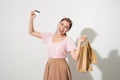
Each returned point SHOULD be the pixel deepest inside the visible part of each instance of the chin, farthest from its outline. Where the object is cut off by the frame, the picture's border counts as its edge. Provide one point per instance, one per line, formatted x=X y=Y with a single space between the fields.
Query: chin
x=60 y=32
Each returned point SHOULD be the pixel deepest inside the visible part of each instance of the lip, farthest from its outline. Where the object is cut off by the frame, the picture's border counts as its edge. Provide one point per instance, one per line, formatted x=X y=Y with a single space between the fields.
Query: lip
x=61 y=31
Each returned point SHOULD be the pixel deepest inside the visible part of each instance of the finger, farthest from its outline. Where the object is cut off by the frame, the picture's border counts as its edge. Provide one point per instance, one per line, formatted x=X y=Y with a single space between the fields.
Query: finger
x=84 y=36
x=33 y=12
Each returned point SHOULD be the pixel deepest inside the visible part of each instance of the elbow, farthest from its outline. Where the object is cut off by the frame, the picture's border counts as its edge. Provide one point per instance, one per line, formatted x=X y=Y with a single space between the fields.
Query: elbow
x=75 y=58
x=30 y=32
x=74 y=55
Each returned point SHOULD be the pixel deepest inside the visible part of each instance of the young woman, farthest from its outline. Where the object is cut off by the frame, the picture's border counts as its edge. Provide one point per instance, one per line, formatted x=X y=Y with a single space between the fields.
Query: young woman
x=58 y=46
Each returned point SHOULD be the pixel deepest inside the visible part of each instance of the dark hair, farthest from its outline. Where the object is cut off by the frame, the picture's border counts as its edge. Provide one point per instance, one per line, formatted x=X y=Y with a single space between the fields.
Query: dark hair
x=68 y=20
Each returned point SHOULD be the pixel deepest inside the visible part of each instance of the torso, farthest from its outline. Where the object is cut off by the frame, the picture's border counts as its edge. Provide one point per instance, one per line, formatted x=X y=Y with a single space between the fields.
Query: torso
x=58 y=47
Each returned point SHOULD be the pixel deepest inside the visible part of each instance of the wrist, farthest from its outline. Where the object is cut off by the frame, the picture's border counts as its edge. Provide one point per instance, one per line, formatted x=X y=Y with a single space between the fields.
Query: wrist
x=79 y=42
x=31 y=19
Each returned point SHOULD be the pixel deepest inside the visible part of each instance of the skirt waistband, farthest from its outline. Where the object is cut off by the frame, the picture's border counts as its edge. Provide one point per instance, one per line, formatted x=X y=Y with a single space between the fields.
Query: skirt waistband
x=56 y=59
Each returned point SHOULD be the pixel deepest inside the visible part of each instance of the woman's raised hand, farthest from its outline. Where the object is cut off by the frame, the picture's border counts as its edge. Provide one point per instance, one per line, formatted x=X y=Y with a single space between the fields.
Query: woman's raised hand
x=32 y=14
x=82 y=39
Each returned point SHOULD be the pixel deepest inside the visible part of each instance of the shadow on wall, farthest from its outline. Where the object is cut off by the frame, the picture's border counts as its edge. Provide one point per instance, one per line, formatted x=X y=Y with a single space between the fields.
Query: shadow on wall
x=109 y=67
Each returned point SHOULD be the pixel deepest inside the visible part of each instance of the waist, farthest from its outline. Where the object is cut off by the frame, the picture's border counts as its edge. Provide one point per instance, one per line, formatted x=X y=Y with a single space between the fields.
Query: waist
x=56 y=55
x=56 y=59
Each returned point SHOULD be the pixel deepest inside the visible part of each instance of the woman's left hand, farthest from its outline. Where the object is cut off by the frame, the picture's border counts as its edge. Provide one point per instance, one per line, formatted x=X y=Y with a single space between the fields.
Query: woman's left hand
x=82 y=39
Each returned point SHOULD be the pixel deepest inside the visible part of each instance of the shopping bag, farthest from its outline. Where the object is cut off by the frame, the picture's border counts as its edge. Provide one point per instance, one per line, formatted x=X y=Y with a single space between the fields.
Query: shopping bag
x=86 y=58
x=93 y=58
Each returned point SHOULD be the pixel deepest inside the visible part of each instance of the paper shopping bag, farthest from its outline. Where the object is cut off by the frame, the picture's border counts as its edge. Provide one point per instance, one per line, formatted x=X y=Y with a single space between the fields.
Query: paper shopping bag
x=86 y=58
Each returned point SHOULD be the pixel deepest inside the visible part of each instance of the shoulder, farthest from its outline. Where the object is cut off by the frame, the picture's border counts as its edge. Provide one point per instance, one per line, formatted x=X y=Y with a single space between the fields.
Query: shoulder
x=69 y=38
x=46 y=34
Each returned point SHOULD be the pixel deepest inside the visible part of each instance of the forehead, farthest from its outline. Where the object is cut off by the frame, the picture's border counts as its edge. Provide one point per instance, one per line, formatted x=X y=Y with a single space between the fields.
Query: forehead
x=65 y=22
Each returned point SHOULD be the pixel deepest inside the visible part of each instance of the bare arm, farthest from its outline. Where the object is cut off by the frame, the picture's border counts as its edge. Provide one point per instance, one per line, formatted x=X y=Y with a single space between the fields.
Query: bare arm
x=75 y=53
x=31 y=26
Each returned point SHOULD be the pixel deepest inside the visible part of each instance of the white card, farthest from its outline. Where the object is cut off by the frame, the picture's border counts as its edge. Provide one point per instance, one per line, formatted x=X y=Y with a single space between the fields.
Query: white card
x=36 y=13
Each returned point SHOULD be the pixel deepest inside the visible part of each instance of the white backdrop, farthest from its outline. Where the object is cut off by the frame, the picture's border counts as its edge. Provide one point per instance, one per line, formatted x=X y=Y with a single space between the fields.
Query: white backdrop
x=23 y=57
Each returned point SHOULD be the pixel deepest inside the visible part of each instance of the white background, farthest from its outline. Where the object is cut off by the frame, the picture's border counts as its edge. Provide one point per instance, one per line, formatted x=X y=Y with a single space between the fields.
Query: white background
x=23 y=57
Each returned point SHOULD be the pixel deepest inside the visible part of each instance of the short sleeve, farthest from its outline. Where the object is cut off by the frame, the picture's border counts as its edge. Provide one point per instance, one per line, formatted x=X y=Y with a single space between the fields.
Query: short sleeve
x=70 y=45
x=45 y=37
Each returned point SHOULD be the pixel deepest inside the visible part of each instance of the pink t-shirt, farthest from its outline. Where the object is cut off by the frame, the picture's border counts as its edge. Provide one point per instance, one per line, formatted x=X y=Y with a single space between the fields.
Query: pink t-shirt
x=58 y=49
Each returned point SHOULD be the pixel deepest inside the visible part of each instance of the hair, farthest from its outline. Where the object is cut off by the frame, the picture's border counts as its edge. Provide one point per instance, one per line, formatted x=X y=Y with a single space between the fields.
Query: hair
x=68 y=20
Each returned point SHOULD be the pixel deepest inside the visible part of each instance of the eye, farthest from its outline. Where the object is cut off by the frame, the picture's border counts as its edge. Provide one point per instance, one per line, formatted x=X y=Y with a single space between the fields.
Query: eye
x=67 y=27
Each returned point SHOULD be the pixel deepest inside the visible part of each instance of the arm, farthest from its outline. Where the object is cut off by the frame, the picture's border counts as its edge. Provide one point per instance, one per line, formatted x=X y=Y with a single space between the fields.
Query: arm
x=31 y=27
x=75 y=53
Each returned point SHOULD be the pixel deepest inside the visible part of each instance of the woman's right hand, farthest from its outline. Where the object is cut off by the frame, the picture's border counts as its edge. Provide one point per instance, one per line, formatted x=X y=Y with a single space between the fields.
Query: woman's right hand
x=32 y=14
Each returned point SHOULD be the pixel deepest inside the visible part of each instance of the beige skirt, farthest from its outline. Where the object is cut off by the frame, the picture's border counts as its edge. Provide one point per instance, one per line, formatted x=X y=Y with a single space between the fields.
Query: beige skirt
x=57 y=69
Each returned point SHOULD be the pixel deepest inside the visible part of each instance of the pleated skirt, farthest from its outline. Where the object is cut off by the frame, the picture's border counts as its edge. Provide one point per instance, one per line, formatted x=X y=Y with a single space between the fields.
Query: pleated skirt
x=57 y=69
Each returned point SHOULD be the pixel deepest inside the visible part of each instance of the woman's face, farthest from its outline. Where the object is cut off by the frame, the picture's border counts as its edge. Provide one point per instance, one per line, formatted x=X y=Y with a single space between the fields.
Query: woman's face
x=63 y=27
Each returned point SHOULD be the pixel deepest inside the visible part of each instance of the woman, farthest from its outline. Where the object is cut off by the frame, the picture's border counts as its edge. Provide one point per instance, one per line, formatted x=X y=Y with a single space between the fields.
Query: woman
x=58 y=46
